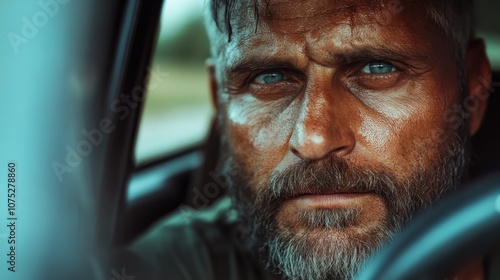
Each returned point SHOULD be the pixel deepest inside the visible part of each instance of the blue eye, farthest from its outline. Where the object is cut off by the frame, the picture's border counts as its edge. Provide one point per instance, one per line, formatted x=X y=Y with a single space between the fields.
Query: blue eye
x=378 y=67
x=270 y=78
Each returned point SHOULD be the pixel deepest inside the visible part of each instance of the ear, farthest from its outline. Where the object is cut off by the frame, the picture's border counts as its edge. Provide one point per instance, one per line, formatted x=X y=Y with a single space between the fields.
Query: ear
x=478 y=73
x=214 y=88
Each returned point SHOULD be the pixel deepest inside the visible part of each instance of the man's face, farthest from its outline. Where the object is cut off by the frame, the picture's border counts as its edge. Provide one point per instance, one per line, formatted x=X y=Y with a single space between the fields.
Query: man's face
x=337 y=128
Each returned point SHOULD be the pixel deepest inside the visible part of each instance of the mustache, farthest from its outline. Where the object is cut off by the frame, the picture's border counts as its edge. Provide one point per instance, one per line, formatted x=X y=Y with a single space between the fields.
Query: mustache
x=336 y=175
x=331 y=175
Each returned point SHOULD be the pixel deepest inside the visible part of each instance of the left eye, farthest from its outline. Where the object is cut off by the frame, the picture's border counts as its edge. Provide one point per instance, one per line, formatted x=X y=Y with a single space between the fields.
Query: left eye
x=378 y=67
x=269 y=78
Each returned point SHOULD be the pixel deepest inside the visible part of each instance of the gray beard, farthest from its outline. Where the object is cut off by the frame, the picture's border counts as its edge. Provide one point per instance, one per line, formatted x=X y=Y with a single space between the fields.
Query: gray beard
x=314 y=253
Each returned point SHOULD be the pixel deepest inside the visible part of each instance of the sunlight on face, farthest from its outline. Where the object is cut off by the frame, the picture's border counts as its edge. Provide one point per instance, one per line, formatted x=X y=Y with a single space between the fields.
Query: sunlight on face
x=326 y=110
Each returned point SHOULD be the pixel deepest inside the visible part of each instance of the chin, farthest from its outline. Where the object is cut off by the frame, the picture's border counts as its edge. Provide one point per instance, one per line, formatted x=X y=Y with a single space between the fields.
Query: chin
x=323 y=243
x=322 y=253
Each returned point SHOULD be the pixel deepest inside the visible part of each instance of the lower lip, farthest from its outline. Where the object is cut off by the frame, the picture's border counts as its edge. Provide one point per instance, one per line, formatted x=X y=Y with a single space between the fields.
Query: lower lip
x=338 y=200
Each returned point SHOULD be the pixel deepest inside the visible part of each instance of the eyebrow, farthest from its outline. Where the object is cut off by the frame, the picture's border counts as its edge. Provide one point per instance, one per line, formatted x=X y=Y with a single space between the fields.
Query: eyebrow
x=371 y=53
x=251 y=64
x=256 y=63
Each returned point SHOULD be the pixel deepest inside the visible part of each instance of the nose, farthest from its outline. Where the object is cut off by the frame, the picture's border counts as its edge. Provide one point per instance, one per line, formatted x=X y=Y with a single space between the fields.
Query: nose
x=324 y=124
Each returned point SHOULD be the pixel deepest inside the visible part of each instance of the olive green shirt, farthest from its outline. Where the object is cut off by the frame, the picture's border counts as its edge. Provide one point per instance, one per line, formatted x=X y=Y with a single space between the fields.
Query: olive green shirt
x=199 y=245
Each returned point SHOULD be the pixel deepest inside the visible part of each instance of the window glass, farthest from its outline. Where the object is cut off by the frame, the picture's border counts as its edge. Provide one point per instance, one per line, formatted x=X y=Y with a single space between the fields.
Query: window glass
x=487 y=26
x=177 y=111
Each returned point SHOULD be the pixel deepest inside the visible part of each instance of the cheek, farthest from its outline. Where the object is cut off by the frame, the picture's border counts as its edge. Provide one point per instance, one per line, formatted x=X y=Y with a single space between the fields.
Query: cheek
x=397 y=132
x=257 y=134
x=376 y=136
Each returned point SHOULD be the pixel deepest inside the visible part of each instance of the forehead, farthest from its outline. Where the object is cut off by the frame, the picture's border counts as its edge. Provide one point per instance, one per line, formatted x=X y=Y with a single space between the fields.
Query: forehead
x=319 y=25
x=306 y=15
x=303 y=15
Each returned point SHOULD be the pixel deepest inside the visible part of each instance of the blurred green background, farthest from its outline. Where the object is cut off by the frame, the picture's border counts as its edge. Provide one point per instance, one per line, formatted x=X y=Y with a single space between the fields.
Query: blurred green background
x=177 y=112
x=181 y=53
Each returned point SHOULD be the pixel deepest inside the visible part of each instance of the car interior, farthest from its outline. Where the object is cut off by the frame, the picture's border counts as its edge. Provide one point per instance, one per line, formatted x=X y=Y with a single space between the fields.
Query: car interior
x=161 y=186
x=115 y=45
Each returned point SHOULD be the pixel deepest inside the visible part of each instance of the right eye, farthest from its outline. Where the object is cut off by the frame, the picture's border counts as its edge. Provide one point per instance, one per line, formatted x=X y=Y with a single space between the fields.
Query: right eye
x=269 y=78
x=378 y=67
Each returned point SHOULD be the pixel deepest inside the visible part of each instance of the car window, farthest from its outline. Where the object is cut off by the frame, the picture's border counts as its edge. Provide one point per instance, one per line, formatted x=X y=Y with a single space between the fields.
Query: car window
x=488 y=27
x=177 y=110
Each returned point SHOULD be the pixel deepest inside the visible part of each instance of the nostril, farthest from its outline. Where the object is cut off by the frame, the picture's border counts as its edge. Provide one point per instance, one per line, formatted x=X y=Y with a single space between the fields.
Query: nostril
x=315 y=146
x=343 y=151
x=295 y=152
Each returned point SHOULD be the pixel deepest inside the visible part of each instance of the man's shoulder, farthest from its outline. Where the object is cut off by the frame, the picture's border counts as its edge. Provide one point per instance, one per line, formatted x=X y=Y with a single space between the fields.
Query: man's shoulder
x=185 y=230
x=217 y=215
x=197 y=244
x=187 y=218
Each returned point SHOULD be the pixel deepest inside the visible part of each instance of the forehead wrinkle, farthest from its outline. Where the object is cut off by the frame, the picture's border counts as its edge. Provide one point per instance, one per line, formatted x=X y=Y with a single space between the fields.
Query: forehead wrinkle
x=281 y=18
x=303 y=17
x=349 y=41
x=282 y=9
x=346 y=30
x=310 y=12
x=259 y=48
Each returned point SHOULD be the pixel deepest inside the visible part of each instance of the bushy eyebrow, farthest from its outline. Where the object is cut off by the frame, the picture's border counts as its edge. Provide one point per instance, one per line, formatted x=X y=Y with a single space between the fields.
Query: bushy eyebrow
x=252 y=63
x=364 y=54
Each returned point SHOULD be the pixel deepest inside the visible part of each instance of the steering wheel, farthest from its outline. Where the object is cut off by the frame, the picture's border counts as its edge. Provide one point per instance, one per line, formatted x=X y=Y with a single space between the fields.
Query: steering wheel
x=443 y=237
